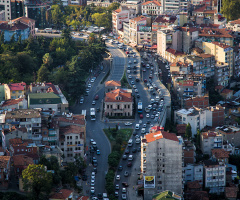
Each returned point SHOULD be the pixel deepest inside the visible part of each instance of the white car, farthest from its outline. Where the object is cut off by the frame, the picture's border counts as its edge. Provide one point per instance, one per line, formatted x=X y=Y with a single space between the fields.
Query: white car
x=147 y=115
x=92 y=80
x=92 y=182
x=92 y=190
x=137 y=126
x=134 y=86
x=89 y=85
x=124 y=196
x=128 y=124
x=135 y=61
x=118 y=177
x=140 y=122
x=124 y=190
x=129 y=61
x=136 y=90
x=93 y=102
x=129 y=76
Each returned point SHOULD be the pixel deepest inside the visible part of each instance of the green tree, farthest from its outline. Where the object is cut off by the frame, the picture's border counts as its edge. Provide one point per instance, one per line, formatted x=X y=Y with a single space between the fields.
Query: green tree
x=47 y=60
x=198 y=138
x=43 y=74
x=188 y=133
x=101 y=19
x=57 y=15
x=113 y=159
x=38 y=181
x=113 y=6
x=231 y=9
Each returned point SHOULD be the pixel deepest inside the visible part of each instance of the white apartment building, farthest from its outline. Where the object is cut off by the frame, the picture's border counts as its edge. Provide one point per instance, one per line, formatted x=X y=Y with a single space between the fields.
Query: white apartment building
x=214 y=176
x=193 y=172
x=161 y=158
x=122 y=14
x=210 y=140
x=72 y=142
x=151 y=8
x=234 y=25
x=199 y=118
x=28 y=118
x=6 y=4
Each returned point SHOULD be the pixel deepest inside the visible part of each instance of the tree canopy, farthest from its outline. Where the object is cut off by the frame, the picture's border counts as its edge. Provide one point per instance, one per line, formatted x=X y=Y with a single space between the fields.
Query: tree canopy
x=231 y=9
x=38 y=181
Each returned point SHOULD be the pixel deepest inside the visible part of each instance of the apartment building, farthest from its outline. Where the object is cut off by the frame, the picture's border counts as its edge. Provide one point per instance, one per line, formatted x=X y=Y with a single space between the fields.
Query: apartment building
x=221 y=155
x=20 y=103
x=231 y=134
x=222 y=74
x=137 y=25
x=214 y=176
x=189 y=36
x=21 y=162
x=71 y=142
x=198 y=101
x=199 y=118
x=126 y=33
x=5 y=166
x=152 y=8
x=162 y=22
x=118 y=102
x=161 y=158
x=15 y=90
x=193 y=172
x=6 y=6
x=180 y=67
x=223 y=53
x=172 y=55
x=234 y=25
x=188 y=152
x=210 y=140
x=25 y=118
x=216 y=35
x=122 y=14
x=201 y=64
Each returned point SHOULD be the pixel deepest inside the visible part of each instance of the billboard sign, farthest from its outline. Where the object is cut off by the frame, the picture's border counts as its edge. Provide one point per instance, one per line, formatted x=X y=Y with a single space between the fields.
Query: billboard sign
x=149 y=181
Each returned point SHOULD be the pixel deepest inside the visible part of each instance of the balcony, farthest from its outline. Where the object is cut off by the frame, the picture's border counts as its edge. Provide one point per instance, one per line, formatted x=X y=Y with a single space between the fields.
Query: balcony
x=36 y=137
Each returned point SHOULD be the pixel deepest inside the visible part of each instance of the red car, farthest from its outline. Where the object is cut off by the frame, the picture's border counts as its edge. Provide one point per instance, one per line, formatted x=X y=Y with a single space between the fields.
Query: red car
x=141 y=116
x=127 y=52
x=96 y=97
x=145 y=80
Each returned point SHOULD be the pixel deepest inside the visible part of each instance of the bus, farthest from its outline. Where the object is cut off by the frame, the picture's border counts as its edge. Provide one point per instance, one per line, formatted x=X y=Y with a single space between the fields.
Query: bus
x=92 y=113
x=140 y=108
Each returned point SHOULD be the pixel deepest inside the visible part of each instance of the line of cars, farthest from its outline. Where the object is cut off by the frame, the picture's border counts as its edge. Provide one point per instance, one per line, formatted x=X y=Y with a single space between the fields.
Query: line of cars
x=93 y=148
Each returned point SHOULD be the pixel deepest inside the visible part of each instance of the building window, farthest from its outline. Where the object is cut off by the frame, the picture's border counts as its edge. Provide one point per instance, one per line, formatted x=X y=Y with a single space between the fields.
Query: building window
x=76 y=137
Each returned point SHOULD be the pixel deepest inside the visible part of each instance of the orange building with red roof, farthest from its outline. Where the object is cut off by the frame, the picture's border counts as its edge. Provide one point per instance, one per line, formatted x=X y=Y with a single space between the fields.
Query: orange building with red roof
x=118 y=102
x=15 y=90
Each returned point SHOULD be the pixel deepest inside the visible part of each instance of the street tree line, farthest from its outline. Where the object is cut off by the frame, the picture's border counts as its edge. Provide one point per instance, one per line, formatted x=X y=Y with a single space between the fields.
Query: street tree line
x=59 y=60
x=77 y=17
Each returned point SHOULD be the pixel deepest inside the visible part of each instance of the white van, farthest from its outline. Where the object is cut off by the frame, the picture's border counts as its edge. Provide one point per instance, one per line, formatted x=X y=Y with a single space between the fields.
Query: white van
x=157 y=98
x=138 y=140
x=130 y=143
x=130 y=157
x=151 y=88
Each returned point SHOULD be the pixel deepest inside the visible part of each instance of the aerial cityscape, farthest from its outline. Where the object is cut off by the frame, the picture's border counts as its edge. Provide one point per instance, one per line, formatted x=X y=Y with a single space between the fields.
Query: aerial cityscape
x=112 y=100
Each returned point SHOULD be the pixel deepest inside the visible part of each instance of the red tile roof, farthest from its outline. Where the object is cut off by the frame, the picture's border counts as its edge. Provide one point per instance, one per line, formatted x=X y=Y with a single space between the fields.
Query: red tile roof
x=139 y=18
x=231 y=192
x=205 y=55
x=194 y=185
x=179 y=64
x=188 y=29
x=52 y=88
x=237 y=21
x=61 y=195
x=83 y=198
x=75 y=119
x=156 y=134
x=181 y=128
x=17 y=86
x=25 y=20
x=125 y=96
x=210 y=32
x=224 y=46
x=71 y=129
x=220 y=153
x=165 y=19
x=113 y=83
x=219 y=87
x=174 y=52
x=157 y=3
x=4 y=160
x=200 y=9
x=12 y=27
x=22 y=160
x=226 y=91
x=15 y=141
x=12 y=102
x=208 y=134
x=186 y=83
x=118 y=10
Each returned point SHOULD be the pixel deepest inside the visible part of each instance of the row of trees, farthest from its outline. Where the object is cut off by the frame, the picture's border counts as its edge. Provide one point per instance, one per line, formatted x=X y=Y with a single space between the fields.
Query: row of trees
x=78 y=17
x=59 y=60
x=40 y=182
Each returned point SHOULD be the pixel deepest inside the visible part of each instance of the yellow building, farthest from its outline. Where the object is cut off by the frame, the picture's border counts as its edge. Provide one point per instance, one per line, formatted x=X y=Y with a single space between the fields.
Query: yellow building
x=14 y=90
x=223 y=53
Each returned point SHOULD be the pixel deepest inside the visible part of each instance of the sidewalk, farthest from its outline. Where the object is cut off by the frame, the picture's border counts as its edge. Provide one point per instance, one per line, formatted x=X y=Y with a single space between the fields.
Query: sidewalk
x=133 y=178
